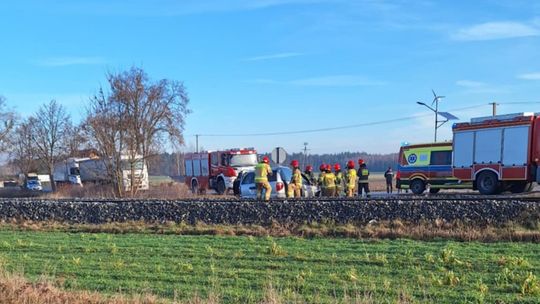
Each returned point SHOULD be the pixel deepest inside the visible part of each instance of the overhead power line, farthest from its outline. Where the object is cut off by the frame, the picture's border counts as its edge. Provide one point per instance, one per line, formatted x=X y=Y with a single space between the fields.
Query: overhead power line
x=373 y=123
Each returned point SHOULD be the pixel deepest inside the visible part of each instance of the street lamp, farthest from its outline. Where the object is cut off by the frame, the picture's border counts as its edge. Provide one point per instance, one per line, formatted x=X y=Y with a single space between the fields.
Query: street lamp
x=447 y=116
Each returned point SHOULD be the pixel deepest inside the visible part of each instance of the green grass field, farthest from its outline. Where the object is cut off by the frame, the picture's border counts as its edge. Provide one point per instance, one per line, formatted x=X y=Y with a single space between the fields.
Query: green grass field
x=239 y=269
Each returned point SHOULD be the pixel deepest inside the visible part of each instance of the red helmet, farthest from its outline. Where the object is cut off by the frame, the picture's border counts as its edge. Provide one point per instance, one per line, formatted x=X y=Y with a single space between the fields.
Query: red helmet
x=350 y=164
x=295 y=163
x=328 y=167
x=322 y=167
x=337 y=167
x=309 y=168
x=266 y=159
x=360 y=161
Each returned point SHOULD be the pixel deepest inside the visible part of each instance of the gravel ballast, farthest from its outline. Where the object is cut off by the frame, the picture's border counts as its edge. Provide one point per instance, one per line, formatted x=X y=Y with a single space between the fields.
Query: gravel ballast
x=477 y=212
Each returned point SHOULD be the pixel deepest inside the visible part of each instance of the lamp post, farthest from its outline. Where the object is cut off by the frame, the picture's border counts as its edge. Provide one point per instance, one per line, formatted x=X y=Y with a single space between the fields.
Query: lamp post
x=447 y=116
x=436 y=111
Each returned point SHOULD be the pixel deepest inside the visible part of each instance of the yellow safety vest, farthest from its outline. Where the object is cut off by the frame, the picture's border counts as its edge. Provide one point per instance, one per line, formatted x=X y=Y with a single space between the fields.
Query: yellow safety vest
x=297 y=177
x=351 y=177
x=329 y=180
x=261 y=172
x=364 y=174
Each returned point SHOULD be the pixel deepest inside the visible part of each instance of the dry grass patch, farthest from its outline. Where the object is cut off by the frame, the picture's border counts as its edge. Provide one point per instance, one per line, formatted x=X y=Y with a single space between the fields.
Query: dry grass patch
x=15 y=289
x=424 y=231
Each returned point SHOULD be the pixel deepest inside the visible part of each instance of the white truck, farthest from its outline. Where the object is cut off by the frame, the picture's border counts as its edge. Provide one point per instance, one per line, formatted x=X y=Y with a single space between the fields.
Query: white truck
x=79 y=171
x=67 y=172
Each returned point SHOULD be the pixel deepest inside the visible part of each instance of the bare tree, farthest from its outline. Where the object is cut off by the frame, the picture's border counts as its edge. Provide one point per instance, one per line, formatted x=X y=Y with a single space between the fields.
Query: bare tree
x=22 y=149
x=7 y=122
x=75 y=140
x=137 y=118
x=105 y=127
x=49 y=128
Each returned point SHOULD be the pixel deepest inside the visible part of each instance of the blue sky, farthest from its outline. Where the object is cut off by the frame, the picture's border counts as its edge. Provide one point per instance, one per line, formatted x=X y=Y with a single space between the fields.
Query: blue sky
x=255 y=66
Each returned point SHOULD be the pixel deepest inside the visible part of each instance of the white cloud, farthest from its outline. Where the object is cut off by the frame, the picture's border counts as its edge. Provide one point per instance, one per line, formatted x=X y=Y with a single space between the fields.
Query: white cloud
x=496 y=30
x=324 y=81
x=470 y=83
x=66 y=61
x=530 y=76
x=273 y=56
x=336 y=81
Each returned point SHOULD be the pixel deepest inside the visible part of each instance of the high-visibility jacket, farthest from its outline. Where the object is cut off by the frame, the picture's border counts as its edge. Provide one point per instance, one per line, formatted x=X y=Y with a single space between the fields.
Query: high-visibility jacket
x=310 y=176
x=329 y=180
x=321 y=179
x=297 y=177
x=339 y=179
x=262 y=170
x=350 y=178
x=363 y=174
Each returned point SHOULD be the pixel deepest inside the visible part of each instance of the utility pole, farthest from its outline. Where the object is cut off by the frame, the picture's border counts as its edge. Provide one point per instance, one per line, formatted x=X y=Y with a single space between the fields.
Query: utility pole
x=305 y=153
x=494 y=108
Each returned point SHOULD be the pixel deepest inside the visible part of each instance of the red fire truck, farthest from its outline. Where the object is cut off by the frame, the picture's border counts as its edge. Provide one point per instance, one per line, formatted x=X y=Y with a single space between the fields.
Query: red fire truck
x=498 y=153
x=217 y=169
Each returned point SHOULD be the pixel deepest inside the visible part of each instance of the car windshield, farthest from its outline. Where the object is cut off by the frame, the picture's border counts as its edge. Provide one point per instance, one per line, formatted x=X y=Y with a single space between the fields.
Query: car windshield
x=33 y=182
x=243 y=160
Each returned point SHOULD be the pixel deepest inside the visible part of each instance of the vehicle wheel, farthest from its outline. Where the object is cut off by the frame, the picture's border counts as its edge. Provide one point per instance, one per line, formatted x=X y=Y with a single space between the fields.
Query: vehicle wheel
x=520 y=187
x=220 y=186
x=418 y=186
x=434 y=190
x=487 y=183
x=194 y=186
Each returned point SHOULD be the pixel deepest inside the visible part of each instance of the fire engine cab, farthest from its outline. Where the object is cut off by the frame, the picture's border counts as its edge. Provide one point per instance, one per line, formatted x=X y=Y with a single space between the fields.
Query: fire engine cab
x=498 y=153
x=217 y=169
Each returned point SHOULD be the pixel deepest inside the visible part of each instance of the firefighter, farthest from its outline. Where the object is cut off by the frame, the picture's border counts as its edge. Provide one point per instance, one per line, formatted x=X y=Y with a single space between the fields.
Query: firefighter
x=339 y=180
x=295 y=186
x=363 y=176
x=329 y=182
x=350 y=178
x=262 y=170
x=309 y=173
x=320 y=180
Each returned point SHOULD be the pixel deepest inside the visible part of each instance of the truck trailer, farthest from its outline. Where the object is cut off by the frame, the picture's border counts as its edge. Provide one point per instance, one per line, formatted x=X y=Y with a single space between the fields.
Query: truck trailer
x=80 y=171
x=94 y=170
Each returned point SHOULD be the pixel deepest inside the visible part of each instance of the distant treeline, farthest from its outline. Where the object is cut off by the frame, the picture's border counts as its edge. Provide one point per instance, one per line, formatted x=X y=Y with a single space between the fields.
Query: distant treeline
x=375 y=162
x=172 y=164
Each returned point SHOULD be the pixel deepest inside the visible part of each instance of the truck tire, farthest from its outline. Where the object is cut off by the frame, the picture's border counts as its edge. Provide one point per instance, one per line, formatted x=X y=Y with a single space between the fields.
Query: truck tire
x=220 y=187
x=487 y=183
x=417 y=186
x=194 y=187
x=520 y=187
